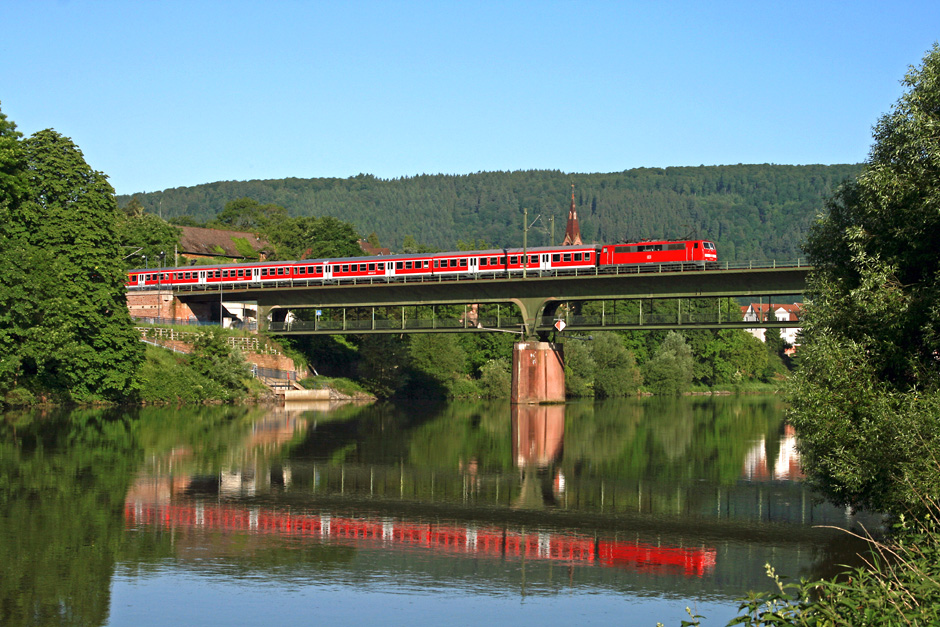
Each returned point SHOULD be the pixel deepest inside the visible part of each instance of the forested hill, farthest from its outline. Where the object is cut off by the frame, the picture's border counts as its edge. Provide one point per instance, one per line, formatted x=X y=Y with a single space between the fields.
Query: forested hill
x=751 y=211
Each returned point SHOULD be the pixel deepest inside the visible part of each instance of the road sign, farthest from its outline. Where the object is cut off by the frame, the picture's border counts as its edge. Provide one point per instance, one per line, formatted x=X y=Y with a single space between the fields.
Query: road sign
x=560 y=325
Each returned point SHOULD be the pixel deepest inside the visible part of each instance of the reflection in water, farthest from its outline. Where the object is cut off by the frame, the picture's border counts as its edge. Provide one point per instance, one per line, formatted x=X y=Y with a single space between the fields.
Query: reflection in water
x=787 y=466
x=538 y=437
x=633 y=500
x=473 y=540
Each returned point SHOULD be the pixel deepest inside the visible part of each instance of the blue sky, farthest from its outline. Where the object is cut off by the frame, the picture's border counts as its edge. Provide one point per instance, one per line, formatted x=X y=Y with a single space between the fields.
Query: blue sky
x=169 y=94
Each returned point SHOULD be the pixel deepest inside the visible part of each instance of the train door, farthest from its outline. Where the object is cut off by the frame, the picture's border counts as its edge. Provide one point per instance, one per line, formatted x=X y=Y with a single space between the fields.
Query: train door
x=202 y=277
x=545 y=263
x=327 y=271
x=256 y=274
x=473 y=265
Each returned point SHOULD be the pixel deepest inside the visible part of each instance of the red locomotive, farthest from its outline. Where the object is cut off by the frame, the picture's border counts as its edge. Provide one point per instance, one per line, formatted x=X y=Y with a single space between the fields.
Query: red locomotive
x=496 y=263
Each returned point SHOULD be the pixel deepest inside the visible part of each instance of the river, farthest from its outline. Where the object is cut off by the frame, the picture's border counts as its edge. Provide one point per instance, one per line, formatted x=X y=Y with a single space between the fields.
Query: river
x=620 y=512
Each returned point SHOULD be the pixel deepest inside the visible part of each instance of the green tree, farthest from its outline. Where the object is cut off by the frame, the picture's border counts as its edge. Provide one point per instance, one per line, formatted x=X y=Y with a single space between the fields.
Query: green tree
x=248 y=214
x=64 y=310
x=145 y=234
x=315 y=238
x=866 y=397
x=579 y=368
x=669 y=372
x=12 y=189
x=615 y=370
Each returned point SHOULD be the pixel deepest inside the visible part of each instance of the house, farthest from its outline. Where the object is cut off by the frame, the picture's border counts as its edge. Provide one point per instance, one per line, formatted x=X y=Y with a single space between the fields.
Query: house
x=197 y=242
x=783 y=313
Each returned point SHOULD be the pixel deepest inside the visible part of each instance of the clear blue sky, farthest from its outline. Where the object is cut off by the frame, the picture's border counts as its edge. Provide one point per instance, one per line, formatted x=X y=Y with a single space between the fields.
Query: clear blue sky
x=168 y=94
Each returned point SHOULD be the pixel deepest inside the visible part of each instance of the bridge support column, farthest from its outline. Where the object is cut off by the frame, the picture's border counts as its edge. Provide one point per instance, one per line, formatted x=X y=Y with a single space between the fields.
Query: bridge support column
x=538 y=373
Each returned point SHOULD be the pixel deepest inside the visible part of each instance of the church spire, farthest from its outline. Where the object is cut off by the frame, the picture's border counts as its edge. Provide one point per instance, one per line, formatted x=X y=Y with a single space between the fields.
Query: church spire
x=572 y=230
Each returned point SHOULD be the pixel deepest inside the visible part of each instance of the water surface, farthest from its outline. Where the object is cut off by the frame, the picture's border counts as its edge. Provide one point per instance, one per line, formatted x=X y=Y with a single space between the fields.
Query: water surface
x=592 y=513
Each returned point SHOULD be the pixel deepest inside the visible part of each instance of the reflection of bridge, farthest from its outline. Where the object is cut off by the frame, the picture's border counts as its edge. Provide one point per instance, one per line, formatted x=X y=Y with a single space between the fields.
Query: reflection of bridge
x=491 y=542
x=535 y=299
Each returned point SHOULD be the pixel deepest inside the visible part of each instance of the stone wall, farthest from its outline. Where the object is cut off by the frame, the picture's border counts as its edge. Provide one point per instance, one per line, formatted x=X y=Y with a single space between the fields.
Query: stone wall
x=157 y=304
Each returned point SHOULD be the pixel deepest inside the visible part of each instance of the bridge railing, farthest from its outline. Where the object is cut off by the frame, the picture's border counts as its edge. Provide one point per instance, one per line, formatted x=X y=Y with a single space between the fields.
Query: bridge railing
x=502 y=322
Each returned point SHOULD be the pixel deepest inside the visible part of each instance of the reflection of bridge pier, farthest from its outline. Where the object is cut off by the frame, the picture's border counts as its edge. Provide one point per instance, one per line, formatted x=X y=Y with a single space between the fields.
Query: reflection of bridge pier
x=538 y=437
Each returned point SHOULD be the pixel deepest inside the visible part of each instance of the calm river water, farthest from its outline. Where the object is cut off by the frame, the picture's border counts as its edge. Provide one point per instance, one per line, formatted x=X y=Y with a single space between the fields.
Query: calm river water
x=622 y=512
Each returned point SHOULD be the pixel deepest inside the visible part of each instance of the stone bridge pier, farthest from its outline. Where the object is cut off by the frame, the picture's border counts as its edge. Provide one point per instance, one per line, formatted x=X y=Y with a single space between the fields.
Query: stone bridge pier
x=538 y=373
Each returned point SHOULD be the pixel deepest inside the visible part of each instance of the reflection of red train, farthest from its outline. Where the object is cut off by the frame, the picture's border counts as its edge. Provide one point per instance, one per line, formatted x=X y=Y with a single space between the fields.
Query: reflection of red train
x=690 y=562
x=548 y=261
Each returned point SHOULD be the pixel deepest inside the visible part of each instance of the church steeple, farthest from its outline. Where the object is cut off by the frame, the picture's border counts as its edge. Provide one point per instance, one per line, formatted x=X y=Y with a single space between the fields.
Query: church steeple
x=572 y=230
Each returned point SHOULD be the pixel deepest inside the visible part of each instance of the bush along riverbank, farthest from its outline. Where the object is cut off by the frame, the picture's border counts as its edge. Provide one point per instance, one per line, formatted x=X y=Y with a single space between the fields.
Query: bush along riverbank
x=603 y=365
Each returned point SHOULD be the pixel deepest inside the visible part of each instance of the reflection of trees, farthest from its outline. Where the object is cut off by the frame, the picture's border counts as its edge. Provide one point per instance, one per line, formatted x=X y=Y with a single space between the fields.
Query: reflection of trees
x=668 y=439
x=463 y=433
x=61 y=515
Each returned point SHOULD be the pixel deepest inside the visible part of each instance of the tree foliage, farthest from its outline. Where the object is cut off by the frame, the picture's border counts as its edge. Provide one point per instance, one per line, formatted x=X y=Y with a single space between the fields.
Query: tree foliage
x=669 y=372
x=64 y=324
x=752 y=211
x=866 y=400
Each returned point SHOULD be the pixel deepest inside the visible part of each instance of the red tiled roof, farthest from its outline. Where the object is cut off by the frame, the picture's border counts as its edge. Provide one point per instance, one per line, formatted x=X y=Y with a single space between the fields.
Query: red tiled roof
x=217 y=243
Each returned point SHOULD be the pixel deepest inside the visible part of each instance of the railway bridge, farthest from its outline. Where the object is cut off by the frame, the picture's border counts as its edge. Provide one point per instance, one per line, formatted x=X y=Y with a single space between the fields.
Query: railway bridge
x=533 y=306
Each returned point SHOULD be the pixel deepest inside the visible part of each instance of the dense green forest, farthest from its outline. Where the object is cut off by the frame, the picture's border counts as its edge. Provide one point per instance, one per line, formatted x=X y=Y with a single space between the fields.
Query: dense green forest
x=751 y=211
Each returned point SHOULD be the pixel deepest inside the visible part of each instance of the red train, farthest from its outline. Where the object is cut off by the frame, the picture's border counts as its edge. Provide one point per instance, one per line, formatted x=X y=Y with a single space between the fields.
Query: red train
x=497 y=263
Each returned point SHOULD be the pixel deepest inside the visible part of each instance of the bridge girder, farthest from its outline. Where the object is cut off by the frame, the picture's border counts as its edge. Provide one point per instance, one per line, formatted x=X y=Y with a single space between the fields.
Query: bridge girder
x=533 y=295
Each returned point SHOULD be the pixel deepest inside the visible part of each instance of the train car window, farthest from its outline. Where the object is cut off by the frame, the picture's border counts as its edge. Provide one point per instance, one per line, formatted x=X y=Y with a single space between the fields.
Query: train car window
x=241 y=273
x=577 y=256
x=408 y=265
x=463 y=263
x=280 y=271
x=695 y=245
x=437 y=263
x=301 y=270
x=336 y=268
x=453 y=263
x=556 y=257
x=494 y=261
x=345 y=267
x=371 y=267
x=382 y=267
x=587 y=256
x=533 y=258
x=513 y=260
x=264 y=272
x=218 y=274
x=709 y=246
x=567 y=257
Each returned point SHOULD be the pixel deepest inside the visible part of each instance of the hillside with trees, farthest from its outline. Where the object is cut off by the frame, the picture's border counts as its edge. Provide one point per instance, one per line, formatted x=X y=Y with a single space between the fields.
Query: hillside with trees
x=751 y=211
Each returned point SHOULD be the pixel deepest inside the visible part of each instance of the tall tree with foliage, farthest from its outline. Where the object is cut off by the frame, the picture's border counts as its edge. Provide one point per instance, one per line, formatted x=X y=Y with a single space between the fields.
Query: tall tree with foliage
x=866 y=398
x=65 y=323
x=669 y=372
